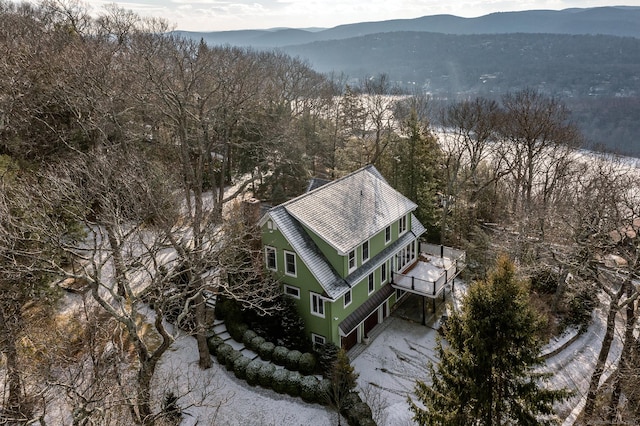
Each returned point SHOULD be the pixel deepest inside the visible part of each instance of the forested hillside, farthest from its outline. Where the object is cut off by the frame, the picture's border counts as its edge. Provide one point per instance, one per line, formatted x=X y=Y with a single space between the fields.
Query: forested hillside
x=126 y=154
x=597 y=76
x=587 y=57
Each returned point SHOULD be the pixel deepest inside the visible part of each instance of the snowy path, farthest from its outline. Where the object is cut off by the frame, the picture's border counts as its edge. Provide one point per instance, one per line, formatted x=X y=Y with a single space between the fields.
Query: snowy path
x=572 y=368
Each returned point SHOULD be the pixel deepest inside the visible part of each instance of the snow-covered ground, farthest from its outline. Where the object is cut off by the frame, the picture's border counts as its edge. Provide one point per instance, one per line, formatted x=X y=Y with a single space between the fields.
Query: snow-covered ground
x=218 y=397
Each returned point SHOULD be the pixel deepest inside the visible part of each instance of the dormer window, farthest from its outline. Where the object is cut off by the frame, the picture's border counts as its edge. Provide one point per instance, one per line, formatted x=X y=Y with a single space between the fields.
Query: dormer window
x=352 y=260
x=402 y=225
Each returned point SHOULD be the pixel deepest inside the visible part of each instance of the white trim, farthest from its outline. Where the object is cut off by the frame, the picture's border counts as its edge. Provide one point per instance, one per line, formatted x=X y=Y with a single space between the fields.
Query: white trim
x=370 y=279
x=321 y=300
x=275 y=257
x=390 y=234
x=355 y=261
x=319 y=337
x=368 y=251
x=402 y=229
x=286 y=264
x=384 y=275
x=345 y=298
x=295 y=289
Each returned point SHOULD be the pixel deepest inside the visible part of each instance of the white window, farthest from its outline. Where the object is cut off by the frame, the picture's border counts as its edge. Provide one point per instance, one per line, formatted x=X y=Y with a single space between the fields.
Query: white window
x=317 y=305
x=292 y=291
x=365 y=251
x=352 y=260
x=269 y=224
x=387 y=234
x=290 y=263
x=270 y=258
x=399 y=293
x=383 y=273
x=372 y=283
x=347 y=298
x=402 y=225
x=317 y=339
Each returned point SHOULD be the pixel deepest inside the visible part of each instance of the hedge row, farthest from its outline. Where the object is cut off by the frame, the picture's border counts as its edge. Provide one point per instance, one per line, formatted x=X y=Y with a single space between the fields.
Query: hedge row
x=258 y=372
x=294 y=360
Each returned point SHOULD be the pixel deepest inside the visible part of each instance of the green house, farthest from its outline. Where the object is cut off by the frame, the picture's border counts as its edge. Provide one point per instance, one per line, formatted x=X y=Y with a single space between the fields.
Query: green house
x=338 y=247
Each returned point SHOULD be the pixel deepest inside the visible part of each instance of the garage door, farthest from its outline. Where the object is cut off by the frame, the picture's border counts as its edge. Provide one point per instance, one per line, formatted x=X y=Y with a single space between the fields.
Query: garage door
x=370 y=322
x=350 y=340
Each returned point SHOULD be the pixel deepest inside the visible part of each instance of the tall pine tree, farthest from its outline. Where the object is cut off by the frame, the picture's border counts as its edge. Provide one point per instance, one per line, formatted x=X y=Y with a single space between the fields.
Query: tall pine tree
x=486 y=372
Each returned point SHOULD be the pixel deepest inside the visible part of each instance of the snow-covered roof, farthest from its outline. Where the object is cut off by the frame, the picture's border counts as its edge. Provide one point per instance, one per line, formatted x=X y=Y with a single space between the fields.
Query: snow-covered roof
x=350 y=210
x=392 y=206
x=308 y=252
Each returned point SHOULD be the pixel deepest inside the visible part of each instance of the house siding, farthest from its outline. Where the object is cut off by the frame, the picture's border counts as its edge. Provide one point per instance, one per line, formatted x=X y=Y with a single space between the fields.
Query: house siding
x=305 y=281
x=332 y=268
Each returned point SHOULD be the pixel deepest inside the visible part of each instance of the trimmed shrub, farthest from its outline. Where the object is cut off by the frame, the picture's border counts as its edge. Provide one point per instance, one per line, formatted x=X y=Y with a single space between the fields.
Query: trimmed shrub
x=279 y=380
x=292 y=384
x=240 y=367
x=266 y=350
x=293 y=360
x=309 y=389
x=213 y=343
x=280 y=355
x=358 y=414
x=324 y=391
x=265 y=375
x=249 y=335
x=252 y=370
x=225 y=307
x=230 y=358
x=222 y=352
x=256 y=342
x=307 y=363
x=237 y=330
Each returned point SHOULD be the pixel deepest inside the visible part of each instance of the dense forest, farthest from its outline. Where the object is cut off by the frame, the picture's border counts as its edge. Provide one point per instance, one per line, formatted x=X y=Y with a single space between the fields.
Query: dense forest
x=125 y=152
x=596 y=75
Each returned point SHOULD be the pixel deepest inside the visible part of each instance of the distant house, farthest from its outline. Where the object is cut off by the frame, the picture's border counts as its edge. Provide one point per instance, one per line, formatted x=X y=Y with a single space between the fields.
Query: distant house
x=344 y=251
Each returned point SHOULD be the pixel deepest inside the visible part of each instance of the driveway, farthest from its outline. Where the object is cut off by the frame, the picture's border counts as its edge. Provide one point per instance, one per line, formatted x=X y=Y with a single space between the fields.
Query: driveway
x=396 y=357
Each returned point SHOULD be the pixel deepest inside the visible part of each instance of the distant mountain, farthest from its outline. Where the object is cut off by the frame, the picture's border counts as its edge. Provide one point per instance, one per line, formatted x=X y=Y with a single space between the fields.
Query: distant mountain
x=590 y=58
x=618 y=21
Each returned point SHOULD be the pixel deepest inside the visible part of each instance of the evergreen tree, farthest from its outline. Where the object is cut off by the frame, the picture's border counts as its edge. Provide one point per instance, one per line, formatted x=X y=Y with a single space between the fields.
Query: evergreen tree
x=486 y=371
x=342 y=380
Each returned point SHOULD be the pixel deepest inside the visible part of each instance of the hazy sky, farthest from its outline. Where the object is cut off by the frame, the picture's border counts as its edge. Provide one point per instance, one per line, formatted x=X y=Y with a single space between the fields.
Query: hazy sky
x=220 y=15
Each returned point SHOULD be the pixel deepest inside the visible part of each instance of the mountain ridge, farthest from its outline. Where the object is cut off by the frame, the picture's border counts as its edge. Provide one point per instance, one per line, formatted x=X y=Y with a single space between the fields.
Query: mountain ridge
x=622 y=21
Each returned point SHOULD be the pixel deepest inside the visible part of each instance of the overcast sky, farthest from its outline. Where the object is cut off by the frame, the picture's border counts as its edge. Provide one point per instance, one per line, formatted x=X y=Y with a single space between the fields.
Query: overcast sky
x=220 y=15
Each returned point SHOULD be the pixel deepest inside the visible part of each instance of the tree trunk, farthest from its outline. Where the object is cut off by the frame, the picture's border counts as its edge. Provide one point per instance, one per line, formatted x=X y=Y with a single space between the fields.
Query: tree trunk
x=145 y=374
x=602 y=356
x=201 y=334
x=624 y=365
x=15 y=400
x=118 y=261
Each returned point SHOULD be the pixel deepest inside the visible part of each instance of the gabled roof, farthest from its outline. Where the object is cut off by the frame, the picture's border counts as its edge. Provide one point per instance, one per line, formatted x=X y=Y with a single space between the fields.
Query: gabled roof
x=291 y=228
x=350 y=210
x=308 y=252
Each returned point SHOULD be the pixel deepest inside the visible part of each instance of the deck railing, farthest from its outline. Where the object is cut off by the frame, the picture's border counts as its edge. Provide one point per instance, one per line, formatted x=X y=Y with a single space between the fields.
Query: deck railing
x=432 y=288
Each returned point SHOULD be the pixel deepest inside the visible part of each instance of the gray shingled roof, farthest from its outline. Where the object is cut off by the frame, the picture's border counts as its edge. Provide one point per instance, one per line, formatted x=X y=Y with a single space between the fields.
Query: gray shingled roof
x=308 y=252
x=350 y=210
x=358 y=275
